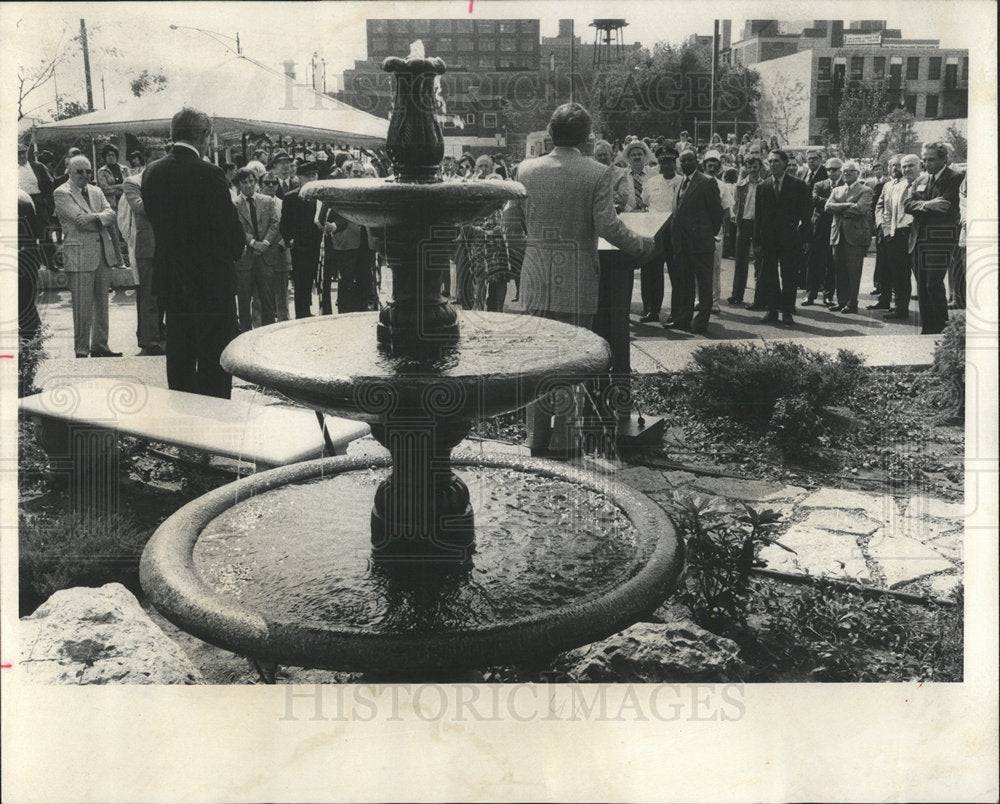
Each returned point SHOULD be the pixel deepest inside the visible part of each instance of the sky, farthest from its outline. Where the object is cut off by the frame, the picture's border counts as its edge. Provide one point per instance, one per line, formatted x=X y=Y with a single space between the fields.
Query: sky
x=126 y=38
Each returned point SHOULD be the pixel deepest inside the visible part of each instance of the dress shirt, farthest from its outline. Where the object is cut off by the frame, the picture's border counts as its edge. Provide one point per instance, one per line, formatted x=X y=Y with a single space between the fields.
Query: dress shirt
x=898 y=218
x=750 y=203
x=189 y=147
x=660 y=193
x=27 y=180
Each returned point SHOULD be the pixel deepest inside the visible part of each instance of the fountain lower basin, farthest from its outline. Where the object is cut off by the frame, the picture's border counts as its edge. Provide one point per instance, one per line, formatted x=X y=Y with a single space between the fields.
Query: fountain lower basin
x=277 y=566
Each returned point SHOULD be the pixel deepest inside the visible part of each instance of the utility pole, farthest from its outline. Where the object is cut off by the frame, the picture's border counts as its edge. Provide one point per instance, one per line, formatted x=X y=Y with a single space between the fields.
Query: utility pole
x=86 y=65
x=572 y=58
x=55 y=84
x=715 y=64
x=104 y=94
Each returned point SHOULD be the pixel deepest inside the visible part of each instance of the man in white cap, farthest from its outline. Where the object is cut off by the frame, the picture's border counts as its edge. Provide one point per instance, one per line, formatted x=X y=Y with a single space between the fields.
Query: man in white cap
x=711 y=164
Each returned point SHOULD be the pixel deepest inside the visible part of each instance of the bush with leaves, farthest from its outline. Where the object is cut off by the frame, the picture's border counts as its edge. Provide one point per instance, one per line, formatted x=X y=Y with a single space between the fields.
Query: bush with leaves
x=76 y=549
x=945 y=379
x=721 y=550
x=745 y=383
x=30 y=355
x=795 y=426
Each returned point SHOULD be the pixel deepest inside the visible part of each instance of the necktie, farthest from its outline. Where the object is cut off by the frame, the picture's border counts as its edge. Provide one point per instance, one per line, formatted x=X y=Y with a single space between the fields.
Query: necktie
x=637 y=185
x=253 y=219
x=684 y=186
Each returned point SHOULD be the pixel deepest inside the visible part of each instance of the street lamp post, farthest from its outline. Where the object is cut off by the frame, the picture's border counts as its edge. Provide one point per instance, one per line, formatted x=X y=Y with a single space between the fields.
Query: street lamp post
x=213 y=34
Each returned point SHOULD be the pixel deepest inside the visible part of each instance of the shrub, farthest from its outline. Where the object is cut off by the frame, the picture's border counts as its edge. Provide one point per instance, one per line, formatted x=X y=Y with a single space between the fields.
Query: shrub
x=30 y=355
x=76 y=549
x=794 y=425
x=945 y=379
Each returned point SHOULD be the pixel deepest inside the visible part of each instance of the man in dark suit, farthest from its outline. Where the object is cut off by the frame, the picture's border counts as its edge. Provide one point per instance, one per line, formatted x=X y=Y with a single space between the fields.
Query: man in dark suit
x=934 y=205
x=281 y=164
x=820 y=274
x=781 y=227
x=301 y=232
x=198 y=240
x=34 y=178
x=697 y=217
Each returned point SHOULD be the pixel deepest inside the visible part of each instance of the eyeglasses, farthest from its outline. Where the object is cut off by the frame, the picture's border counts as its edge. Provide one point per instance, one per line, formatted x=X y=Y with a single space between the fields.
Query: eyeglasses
x=82 y=172
x=269 y=181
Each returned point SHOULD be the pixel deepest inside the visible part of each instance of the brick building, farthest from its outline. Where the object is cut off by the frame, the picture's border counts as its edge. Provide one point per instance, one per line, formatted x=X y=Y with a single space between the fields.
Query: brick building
x=804 y=75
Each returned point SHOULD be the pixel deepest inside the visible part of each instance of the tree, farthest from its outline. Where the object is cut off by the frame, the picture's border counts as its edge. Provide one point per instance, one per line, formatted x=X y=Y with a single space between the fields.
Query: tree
x=69 y=109
x=901 y=135
x=148 y=82
x=33 y=77
x=956 y=138
x=783 y=108
x=857 y=117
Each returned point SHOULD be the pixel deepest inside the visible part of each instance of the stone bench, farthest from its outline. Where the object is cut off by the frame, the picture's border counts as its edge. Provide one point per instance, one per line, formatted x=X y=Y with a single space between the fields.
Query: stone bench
x=87 y=414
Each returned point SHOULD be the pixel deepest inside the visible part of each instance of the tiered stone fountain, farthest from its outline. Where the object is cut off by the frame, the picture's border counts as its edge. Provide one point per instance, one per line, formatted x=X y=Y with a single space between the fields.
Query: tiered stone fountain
x=461 y=563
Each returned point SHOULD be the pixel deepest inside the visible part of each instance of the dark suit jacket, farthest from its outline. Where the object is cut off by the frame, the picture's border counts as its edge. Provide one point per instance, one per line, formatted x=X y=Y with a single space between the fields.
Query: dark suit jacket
x=697 y=215
x=820 y=175
x=298 y=226
x=197 y=232
x=782 y=221
x=938 y=227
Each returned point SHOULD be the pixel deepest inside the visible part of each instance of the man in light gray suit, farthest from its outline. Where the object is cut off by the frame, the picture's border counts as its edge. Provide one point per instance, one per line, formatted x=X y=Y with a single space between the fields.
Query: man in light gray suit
x=149 y=331
x=568 y=207
x=255 y=270
x=88 y=224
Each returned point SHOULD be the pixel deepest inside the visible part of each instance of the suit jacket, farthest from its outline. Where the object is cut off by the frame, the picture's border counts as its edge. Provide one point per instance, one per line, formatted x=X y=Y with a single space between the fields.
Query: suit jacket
x=298 y=225
x=697 y=214
x=937 y=227
x=348 y=234
x=268 y=220
x=567 y=209
x=821 y=219
x=44 y=179
x=851 y=225
x=281 y=192
x=145 y=242
x=742 y=193
x=84 y=238
x=196 y=228
x=782 y=220
x=818 y=176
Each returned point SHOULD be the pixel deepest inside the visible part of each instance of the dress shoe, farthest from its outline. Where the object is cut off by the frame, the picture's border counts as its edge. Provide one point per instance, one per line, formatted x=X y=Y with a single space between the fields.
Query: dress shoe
x=849 y=310
x=836 y=309
x=734 y=300
x=646 y=318
x=808 y=303
x=699 y=330
x=153 y=351
x=770 y=318
x=786 y=318
x=671 y=324
x=828 y=301
x=105 y=353
x=896 y=316
x=756 y=308
x=878 y=307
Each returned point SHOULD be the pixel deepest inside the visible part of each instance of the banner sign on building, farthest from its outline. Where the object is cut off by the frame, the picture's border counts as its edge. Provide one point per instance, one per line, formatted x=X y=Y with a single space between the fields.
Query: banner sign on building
x=863 y=39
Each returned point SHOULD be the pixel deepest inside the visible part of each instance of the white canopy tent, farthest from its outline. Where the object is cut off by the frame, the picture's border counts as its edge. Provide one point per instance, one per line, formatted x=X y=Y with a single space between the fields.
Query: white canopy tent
x=242 y=96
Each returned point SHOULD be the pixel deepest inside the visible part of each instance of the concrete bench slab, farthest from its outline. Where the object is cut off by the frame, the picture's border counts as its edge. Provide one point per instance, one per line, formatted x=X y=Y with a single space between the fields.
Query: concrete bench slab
x=267 y=435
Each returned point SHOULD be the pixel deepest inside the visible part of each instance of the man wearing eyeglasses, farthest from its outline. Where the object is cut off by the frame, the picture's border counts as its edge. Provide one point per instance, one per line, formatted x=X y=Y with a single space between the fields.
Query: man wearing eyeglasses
x=87 y=222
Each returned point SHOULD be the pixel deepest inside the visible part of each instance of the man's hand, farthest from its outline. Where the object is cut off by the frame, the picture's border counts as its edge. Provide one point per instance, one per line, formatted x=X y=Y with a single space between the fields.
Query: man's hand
x=937 y=205
x=330 y=227
x=259 y=246
x=648 y=247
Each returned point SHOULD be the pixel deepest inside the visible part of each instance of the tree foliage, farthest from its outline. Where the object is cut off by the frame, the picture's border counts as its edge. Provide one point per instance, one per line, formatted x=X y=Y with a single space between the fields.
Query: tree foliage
x=783 y=108
x=901 y=135
x=148 y=82
x=69 y=109
x=855 y=120
x=956 y=138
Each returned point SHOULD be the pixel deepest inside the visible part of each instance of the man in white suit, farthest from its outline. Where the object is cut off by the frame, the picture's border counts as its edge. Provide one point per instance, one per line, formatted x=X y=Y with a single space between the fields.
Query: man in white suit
x=568 y=207
x=88 y=224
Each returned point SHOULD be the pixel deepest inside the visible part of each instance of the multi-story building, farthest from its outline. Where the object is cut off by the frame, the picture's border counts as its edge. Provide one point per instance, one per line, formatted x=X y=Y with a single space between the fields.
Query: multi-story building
x=492 y=64
x=804 y=75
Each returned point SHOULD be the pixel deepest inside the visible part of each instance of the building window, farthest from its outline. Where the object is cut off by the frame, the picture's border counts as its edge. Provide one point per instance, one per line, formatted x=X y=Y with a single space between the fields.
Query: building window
x=965 y=68
x=421 y=26
x=878 y=68
x=932 y=106
x=507 y=63
x=379 y=26
x=895 y=74
x=951 y=74
x=380 y=44
x=463 y=26
x=911 y=104
x=822 y=106
x=487 y=45
x=444 y=44
x=470 y=118
x=489 y=120
x=486 y=62
x=508 y=27
x=857 y=68
x=508 y=45
x=934 y=68
x=825 y=66
x=442 y=26
x=448 y=122
x=463 y=44
x=912 y=68
x=486 y=27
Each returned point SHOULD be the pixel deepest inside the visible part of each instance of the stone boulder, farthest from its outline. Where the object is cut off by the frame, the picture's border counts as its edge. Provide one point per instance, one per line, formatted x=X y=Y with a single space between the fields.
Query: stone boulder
x=99 y=636
x=675 y=651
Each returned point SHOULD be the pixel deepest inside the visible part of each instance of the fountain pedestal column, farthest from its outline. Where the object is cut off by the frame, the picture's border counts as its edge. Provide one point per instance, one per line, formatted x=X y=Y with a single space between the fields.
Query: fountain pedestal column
x=422 y=512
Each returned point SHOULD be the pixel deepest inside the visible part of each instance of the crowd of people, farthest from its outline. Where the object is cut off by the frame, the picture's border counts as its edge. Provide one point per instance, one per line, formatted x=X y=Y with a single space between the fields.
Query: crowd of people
x=805 y=222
